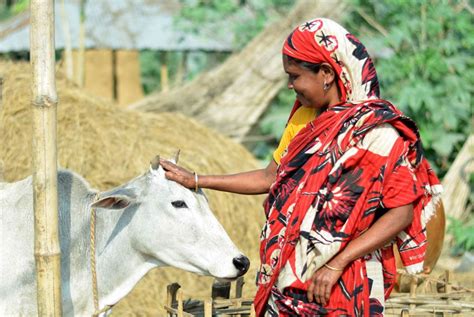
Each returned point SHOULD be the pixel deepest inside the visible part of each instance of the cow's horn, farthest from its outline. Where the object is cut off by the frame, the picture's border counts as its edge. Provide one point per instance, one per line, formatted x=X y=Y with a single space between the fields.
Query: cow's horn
x=176 y=157
x=155 y=163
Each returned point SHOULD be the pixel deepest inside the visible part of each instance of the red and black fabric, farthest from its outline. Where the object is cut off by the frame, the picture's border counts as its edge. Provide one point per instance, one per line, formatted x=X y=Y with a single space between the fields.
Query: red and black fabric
x=341 y=188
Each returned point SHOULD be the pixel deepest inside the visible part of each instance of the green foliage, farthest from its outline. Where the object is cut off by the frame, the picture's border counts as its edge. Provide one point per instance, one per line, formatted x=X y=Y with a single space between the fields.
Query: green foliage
x=20 y=6
x=275 y=119
x=211 y=19
x=463 y=234
x=150 y=66
x=430 y=73
x=219 y=18
x=272 y=125
x=9 y=11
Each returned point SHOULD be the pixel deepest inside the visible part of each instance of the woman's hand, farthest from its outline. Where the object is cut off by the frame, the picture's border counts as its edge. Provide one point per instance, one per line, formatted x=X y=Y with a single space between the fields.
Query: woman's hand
x=378 y=235
x=251 y=182
x=322 y=283
x=178 y=174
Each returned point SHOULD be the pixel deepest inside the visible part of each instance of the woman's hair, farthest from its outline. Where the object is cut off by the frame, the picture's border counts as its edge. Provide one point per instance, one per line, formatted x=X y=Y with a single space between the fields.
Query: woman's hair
x=310 y=66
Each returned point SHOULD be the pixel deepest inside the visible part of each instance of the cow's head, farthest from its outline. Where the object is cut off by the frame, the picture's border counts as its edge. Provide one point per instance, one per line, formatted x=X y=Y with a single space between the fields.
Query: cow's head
x=175 y=226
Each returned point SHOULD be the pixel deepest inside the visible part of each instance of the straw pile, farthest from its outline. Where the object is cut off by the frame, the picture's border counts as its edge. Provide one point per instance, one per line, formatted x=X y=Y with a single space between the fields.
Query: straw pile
x=109 y=146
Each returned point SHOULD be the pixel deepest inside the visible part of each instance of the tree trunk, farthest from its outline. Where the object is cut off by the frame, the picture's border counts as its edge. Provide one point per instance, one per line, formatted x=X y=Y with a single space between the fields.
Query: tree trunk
x=45 y=190
x=232 y=97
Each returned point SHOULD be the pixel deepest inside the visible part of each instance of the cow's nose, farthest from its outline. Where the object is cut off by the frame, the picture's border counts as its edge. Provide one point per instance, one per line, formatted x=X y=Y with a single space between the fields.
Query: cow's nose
x=242 y=264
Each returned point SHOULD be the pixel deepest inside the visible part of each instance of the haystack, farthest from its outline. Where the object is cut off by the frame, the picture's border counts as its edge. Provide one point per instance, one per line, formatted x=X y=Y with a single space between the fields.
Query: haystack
x=108 y=146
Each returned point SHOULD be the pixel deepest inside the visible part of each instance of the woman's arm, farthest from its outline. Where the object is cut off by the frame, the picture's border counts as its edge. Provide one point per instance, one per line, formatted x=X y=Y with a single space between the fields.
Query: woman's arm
x=252 y=182
x=378 y=235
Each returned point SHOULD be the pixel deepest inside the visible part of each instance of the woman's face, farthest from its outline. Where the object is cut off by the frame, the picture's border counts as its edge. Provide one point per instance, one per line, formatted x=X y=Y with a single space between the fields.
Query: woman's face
x=307 y=84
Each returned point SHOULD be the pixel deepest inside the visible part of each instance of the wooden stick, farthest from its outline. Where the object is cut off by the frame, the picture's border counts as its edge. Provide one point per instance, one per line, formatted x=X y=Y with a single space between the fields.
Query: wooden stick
x=164 y=71
x=208 y=307
x=231 y=301
x=252 y=311
x=172 y=311
x=179 y=298
x=405 y=313
x=171 y=291
x=239 y=285
x=220 y=289
x=413 y=285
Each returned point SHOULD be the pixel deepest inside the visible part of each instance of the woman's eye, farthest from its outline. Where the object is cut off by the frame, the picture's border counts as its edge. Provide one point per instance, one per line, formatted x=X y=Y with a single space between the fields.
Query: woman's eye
x=179 y=204
x=292 y=78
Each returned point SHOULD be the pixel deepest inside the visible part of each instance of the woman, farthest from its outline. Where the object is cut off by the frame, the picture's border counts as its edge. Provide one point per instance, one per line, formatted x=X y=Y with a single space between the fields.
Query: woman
x=348 y=180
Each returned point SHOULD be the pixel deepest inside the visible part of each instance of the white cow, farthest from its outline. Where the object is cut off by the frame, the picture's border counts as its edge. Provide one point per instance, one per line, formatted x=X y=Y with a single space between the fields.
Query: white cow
x=148 y=222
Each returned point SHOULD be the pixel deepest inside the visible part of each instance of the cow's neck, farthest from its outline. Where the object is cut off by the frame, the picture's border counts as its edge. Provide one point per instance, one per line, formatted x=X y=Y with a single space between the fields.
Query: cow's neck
x=119 y=266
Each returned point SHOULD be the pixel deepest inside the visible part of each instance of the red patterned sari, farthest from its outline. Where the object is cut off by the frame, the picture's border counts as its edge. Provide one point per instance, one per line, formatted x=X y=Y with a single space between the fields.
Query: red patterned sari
x=341 y=172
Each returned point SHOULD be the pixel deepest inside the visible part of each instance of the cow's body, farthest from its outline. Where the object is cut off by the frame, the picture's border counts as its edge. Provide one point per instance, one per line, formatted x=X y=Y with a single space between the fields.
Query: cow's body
x=129 y=241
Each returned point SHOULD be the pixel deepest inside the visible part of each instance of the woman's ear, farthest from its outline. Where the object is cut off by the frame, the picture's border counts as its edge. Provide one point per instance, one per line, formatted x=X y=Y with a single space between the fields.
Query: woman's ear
x=328 y=73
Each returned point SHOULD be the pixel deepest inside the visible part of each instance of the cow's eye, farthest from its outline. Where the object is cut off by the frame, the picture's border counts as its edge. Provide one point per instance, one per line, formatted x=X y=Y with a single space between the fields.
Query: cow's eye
x=179 y=204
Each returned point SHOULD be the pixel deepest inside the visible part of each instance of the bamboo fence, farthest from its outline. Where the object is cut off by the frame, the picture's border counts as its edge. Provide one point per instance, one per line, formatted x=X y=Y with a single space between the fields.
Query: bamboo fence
x=428 y=296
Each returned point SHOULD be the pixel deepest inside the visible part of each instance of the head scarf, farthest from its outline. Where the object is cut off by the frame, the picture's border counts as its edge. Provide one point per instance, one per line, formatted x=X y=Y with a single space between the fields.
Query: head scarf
x=325 y=41
x=325 y=194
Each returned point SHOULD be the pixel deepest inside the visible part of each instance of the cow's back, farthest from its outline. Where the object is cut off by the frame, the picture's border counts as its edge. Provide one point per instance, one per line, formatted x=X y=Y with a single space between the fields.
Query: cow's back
x=17 y=263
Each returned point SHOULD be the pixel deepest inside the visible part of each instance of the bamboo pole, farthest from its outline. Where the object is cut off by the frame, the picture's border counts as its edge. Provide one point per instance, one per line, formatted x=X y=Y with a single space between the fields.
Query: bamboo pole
x=252 y=311
x=1 y=93
x=164 y=71
x=1 y=105
x=80 y=76
x=208 y=307
x=182 y=69
x=67 y=43
x=45 y=196
x=179 y=298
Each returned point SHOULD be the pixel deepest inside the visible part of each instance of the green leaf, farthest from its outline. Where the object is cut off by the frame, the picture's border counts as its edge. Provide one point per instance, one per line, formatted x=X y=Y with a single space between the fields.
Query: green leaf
x=445 y=143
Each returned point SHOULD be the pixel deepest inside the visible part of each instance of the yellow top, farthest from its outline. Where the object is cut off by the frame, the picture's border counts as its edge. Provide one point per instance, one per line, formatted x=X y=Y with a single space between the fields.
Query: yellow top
x=298 y=121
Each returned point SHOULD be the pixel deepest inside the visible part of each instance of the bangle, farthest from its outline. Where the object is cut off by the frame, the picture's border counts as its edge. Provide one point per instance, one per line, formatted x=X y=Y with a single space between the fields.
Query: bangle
x=196 y=182
x=332 y=268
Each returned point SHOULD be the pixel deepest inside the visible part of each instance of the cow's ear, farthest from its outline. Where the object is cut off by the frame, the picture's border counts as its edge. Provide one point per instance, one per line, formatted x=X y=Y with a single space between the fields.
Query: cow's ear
x=113 y=202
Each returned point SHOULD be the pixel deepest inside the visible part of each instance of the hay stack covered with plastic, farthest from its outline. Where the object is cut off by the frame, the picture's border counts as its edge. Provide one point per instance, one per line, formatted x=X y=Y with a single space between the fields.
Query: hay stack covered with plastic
x=109 y=146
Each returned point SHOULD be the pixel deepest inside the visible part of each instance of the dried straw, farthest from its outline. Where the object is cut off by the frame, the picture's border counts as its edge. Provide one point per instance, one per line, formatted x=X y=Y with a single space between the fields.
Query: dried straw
x=108 y=146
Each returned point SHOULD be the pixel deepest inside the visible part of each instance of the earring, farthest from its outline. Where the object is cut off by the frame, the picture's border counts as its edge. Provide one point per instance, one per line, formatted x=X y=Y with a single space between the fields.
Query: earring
x=326 y=86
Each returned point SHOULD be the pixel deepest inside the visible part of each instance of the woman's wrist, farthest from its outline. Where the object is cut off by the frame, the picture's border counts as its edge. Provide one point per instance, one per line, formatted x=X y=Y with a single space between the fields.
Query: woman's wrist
x=340 y=261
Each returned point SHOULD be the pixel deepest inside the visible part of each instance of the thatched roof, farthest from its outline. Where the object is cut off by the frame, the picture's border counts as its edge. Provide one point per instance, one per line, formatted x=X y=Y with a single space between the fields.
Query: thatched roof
x=109 y=146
